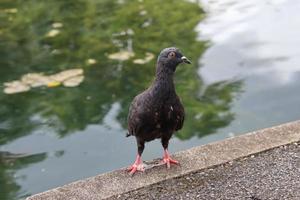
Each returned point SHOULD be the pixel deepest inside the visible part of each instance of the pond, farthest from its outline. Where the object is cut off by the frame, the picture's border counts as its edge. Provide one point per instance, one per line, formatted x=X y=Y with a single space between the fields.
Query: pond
x=244 y=76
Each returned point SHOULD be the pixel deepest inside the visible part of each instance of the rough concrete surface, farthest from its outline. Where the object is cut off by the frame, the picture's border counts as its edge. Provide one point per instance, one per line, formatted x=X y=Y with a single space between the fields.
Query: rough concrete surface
x=192 y=161
x=272 y=175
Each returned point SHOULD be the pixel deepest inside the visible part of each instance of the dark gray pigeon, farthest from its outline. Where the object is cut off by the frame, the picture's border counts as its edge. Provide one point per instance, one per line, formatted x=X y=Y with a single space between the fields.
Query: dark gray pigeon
x=157 y=112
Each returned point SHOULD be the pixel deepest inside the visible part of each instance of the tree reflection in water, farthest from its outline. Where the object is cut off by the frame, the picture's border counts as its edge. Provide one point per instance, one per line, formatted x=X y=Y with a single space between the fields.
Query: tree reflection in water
x=86 y=31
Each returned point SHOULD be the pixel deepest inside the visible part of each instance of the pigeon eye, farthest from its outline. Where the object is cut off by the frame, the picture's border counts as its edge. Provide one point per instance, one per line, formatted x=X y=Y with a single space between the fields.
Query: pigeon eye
x=171 y=54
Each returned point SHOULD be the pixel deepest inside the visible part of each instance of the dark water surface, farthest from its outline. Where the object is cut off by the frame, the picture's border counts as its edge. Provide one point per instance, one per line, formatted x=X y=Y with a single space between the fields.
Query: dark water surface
x=245 y=76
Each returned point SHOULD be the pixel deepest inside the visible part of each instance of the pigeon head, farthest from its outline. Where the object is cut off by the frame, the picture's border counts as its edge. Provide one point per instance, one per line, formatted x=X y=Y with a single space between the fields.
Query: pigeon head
x=171 y=57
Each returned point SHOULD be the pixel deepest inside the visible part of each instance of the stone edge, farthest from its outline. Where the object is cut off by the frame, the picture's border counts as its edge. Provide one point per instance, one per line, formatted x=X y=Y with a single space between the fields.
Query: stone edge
x=118 y=182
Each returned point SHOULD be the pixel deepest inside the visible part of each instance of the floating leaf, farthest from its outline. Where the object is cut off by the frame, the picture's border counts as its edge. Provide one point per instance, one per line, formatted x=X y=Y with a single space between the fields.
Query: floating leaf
x=121 y=55
x=15 y=87
x=70 y=78
x=91 y=61
x=147 y=23
x=64 y=75
x=57 y=25
x=11 y=10
x=53 y=33
x=35 y=79
x=73 y=82
x=148 y=58
x=143 y=12
x=53 y=84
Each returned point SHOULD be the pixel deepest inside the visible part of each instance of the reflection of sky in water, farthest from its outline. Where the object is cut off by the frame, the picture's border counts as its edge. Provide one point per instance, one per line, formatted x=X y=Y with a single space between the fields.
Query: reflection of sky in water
x=251 y=38
x=256 y=41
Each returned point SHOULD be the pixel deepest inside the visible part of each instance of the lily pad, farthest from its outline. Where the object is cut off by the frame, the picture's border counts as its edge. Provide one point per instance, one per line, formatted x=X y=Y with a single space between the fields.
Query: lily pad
x=11 y=10
x=69 y=78
x=121 y=55
x=35 y=79
x=67 y=74
x=53 y=33
x=91 y=61
x=53 y=84
x=148 y=58
x=15 y=87
x=57 y=25
x=73 y=82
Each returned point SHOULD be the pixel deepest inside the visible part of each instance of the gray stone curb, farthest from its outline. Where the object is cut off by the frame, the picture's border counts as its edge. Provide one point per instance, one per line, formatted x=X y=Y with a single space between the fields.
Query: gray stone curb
x=192 y=160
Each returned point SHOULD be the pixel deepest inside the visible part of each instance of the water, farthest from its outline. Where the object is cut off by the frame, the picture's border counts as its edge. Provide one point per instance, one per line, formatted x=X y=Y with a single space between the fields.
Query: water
x=246 y=78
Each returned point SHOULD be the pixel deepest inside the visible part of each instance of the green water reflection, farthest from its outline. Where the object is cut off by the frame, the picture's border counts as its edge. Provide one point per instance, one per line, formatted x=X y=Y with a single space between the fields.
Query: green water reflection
x=93 y=30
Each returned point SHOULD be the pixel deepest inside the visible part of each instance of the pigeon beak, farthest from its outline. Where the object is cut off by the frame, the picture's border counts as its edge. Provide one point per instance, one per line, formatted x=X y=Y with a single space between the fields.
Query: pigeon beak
x=185 y=60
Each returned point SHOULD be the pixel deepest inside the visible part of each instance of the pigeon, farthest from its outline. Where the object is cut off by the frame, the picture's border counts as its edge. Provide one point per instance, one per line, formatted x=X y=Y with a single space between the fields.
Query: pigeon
x=157 y=112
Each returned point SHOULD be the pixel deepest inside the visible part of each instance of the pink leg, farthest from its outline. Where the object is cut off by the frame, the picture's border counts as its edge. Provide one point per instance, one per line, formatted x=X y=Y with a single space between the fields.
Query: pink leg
x=136 y=166
x=168 y=160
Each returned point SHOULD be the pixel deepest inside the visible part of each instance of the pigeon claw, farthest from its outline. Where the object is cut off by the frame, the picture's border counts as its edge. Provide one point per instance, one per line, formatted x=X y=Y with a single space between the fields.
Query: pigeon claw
x=168 y=161
x=134 y=168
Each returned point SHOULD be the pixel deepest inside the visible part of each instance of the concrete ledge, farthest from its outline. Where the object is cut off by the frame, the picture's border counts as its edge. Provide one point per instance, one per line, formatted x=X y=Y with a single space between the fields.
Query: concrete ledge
x=194 y=159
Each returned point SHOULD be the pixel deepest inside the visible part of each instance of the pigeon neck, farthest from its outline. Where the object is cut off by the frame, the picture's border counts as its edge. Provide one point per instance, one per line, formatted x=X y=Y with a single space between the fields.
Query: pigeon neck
x=164 y=84
x=164 y=73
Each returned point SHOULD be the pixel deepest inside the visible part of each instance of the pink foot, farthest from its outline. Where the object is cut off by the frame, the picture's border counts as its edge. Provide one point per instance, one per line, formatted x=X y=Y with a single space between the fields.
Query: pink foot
x=136 y=166
x=168 y=160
